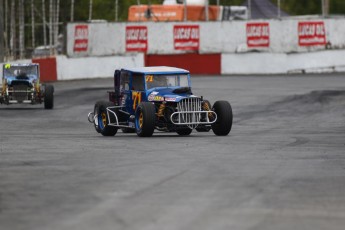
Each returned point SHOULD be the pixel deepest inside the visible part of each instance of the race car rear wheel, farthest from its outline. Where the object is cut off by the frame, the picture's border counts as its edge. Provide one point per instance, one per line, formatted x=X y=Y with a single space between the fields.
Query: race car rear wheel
x=49 y=97
x=101 y=125
x=184 y=131
x=145 y=119
x=222 y=126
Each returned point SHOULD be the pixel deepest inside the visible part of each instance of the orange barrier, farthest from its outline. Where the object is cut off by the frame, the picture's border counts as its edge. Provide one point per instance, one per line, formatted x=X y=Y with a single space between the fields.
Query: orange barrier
x=139 y=13
x=48 y=70
x=194 y=62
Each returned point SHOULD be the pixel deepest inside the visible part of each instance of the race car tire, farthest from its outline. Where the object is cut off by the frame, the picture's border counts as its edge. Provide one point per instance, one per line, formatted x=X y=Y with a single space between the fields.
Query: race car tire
x=184 y=131
x=49 y=97
x=103 y=119
x=95 y=111
x=145 y=119
x=203 y=128
x=223 y=124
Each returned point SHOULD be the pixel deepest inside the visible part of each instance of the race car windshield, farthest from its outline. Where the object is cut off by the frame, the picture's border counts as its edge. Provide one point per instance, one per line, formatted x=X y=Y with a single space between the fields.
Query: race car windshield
x=153 y=81
x=13 y=71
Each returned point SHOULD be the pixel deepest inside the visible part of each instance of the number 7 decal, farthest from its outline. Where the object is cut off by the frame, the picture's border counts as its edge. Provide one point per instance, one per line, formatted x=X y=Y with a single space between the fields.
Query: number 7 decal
x=136 y=96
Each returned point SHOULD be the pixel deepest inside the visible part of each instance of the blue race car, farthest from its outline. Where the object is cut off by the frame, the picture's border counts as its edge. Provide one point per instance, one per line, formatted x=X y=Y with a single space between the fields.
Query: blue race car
x=21 y=84
x=158 y=98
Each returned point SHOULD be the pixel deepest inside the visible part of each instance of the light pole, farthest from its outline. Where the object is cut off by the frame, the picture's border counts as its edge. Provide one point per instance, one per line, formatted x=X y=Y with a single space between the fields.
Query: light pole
x=250 y=9
x=32 y=24
x=72 y=10
x=279 y=9
x=116 y=10
x=2 y=50
x=90 y=11
x=21 y=29
x=51 y=27
x=44 y=23
x=325 y=7
x=13 y=45
x=185 y=10
x=206 y=10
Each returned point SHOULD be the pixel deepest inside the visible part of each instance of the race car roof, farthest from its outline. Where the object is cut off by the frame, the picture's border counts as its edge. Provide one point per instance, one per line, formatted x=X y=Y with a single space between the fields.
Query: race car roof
x=157 y=70
x=20 y=64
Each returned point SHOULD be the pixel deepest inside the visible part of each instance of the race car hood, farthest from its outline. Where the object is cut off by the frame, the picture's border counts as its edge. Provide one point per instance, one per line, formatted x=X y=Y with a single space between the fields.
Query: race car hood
x=175 y=94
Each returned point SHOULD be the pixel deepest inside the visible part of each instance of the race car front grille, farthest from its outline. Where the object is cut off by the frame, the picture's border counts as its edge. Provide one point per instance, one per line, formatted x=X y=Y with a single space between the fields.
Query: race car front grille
x=20 y=92
x=189 y=113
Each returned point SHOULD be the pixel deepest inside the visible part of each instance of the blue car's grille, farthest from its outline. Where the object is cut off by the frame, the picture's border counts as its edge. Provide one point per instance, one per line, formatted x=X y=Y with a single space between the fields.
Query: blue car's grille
x=189 y=113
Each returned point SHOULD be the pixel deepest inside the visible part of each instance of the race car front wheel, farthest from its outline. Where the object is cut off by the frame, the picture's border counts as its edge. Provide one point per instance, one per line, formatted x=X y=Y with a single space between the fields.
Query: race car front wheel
x=102 y=124
x=145 y=119
x=49 y=97
x=222 y=126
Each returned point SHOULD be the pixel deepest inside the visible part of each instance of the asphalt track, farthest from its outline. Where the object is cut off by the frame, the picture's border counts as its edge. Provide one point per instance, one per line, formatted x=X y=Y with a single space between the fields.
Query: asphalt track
x=282 y=166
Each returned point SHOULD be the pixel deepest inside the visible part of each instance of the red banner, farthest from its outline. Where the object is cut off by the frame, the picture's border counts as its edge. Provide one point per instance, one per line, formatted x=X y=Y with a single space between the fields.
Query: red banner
x=81 y=38
x=136 y=38
x=186 y=37
x=311 y=33
x=258 y=34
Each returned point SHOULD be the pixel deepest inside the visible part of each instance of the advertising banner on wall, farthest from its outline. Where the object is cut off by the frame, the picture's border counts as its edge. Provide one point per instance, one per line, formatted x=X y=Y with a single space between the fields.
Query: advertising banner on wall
x=258 y=34
x=136 y=38
x=311 y=33
x=81 y=38
x=186 y=37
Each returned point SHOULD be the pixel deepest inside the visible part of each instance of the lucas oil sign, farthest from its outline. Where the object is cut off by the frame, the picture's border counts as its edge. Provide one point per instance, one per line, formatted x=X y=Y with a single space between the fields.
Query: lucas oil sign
x=81 y=38
x=136 y=38
x=186 y=37
x=311 y=33
x=258 y=34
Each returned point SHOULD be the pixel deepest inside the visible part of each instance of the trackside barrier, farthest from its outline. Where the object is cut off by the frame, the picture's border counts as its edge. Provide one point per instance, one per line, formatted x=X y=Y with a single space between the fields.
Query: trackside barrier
x=298 y=35
x=95 y=67
x=225 y=64
x=195 y=63
x=270 y=63
x=48 y=70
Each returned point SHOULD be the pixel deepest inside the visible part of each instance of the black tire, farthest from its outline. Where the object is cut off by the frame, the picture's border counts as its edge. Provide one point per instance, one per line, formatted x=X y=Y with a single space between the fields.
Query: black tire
x=103 y=120
x=145 y=119
x=95 y=111
x=222 y=126
x=184 y=131
x=49 y=97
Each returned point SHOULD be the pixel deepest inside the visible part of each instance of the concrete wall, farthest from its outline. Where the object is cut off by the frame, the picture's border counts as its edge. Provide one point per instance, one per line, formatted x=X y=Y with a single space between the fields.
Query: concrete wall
x=215 y=37
x=281 y=63
x=95 y=67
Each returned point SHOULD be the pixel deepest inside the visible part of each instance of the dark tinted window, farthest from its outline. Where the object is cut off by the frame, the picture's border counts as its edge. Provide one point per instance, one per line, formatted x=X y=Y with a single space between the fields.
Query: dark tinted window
x=138 y=82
